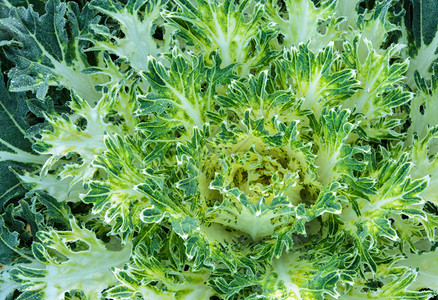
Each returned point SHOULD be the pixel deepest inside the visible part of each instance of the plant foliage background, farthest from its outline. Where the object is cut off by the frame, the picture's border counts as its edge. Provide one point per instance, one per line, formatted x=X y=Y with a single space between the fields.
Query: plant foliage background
x=200 y=149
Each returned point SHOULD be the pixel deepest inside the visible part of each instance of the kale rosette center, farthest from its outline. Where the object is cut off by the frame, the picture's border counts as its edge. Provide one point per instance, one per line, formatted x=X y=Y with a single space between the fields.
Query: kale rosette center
x=257 y=169
x=248 y=178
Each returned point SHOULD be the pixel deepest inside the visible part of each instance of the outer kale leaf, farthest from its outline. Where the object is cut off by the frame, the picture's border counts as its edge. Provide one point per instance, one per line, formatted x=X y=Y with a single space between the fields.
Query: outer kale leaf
x=380 y=90
x=15 y=147
x=135 y=40
x=233 y=29
x=47 y=52
x=8 y=243
x=5 y=5
x=183 y=95
x=317 y=23
x=420 y=29
x=66 y=261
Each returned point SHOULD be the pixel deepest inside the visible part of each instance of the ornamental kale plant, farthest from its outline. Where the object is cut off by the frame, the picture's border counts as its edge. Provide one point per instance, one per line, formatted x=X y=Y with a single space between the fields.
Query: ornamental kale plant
x=218 y=149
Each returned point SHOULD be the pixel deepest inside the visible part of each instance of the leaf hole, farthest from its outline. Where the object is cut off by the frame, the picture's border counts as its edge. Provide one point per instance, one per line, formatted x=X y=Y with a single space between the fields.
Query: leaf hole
x=159 y=33
x=78 y=246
